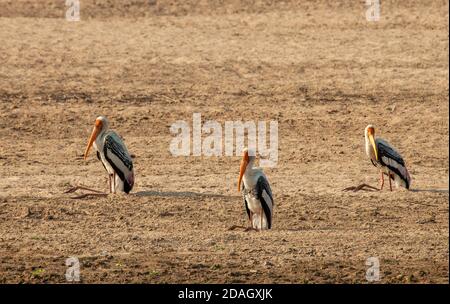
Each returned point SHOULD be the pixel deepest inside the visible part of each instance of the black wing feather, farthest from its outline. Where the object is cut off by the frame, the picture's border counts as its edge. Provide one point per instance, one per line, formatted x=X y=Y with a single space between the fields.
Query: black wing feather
x=113 y=147
x=262 y=185
x=387 y=151
x=118 y=151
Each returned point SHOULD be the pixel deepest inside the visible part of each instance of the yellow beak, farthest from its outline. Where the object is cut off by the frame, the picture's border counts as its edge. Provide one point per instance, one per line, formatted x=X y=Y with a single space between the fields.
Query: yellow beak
x=244 y=164
x=372 y=141
x=93 y=137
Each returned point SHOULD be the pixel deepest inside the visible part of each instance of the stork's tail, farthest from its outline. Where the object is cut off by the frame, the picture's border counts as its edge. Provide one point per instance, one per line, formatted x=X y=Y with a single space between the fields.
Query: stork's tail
x=129 y=183
x=404 y=179
x=408 y=178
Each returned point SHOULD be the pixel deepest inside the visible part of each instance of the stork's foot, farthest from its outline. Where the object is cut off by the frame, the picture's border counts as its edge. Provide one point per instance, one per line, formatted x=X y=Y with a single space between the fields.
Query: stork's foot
x=364 y=187
x=95 y=193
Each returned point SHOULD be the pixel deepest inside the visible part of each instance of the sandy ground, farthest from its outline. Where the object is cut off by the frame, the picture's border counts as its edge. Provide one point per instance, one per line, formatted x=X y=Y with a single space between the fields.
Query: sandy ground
x=318 y=68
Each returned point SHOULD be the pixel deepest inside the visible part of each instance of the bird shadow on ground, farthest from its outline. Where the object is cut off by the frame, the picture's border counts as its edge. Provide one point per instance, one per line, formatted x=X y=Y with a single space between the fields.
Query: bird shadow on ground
x=96 y=193
x=430 y=190
x=182 y=194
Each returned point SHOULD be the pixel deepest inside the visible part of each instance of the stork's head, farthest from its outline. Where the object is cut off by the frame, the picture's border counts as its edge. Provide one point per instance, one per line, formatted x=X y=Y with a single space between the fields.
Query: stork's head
x=101 y=124
x=248 y=157
x=369 y=134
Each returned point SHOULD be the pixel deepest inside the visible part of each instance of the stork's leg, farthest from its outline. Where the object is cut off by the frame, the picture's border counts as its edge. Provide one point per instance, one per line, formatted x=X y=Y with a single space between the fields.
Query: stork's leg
x=250 y=228
x=381 y=180
x=110 y=183
x=390 y=183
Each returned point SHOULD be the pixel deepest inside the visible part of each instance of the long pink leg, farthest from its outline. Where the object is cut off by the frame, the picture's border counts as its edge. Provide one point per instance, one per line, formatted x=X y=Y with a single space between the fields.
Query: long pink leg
x=251 y=228
x=382 y=180
x=390 y=184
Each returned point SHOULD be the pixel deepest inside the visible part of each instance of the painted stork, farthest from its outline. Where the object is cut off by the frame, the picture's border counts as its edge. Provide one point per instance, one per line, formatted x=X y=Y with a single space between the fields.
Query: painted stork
x=113 y=154
x=385 y=157
x=256 y=193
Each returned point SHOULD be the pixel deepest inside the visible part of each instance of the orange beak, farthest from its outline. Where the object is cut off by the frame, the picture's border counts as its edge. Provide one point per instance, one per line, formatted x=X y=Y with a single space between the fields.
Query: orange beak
x=244 y=164
x=93 y=137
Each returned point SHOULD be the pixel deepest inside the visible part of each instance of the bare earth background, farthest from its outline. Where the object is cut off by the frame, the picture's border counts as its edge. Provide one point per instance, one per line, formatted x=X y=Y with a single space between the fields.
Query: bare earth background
x=318 y=67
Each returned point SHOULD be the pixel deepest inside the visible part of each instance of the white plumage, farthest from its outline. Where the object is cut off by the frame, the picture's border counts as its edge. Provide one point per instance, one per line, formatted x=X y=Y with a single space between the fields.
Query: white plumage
x=256 y=192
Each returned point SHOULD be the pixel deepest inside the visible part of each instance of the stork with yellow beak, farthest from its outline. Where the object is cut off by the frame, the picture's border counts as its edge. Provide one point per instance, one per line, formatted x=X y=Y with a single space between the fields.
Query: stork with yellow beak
x=113 y=154
x=385 y=157
x=256 y=193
